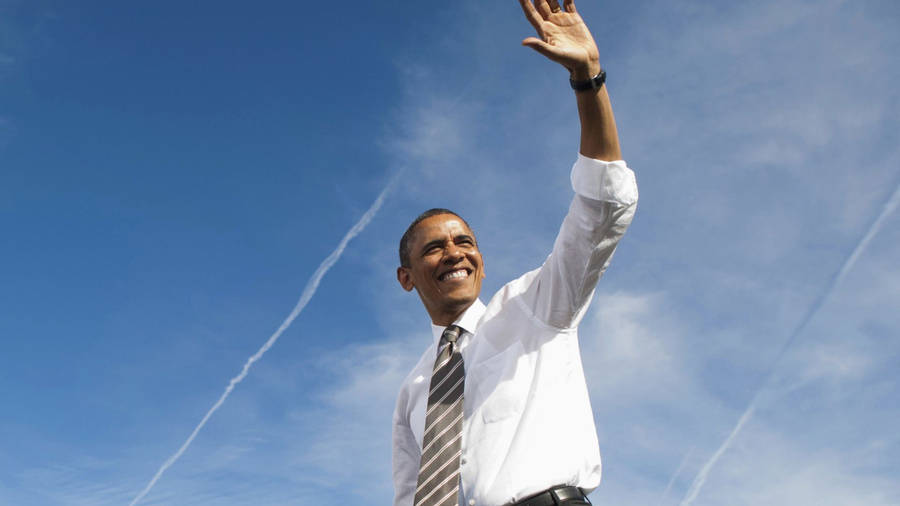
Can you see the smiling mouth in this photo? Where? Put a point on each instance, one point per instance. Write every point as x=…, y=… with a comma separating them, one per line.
x=455, y=274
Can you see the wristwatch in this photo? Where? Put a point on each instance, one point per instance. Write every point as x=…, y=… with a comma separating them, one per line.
x=594, y=83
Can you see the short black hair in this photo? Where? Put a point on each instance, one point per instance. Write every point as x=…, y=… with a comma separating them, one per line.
x=410, y=231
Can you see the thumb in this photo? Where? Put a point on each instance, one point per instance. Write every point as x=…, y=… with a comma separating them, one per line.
x=542, y=47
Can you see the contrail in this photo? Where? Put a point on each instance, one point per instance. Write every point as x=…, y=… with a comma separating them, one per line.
x=308, y=291
x=888, y=208
x=677, y=472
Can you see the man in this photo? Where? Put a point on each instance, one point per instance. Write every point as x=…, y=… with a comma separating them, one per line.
x=496, y=412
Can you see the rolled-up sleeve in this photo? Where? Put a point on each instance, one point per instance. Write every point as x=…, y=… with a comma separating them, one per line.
x=604, y=181
x=605, y=200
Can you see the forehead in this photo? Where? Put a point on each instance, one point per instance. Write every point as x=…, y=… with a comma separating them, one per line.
x=440, y=226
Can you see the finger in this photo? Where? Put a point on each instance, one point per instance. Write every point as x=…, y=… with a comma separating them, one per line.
x=543, y=8
x=569, y=5
x=554, y=6
x=543, y=48
x=532, y=15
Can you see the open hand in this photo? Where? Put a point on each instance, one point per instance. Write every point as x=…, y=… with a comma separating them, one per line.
x=564, y=38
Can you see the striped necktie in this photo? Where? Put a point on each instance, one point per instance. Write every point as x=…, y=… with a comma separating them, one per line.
x=438, y=483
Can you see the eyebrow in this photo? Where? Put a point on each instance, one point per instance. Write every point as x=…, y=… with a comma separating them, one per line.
x=429, y=244
x=440, y=242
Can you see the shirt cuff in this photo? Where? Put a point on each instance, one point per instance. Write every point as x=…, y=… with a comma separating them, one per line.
x=604, y=181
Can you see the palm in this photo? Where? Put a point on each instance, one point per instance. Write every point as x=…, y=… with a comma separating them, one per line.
x=564, y=38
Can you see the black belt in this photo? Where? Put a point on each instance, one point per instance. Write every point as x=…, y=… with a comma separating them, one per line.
x=556, y=496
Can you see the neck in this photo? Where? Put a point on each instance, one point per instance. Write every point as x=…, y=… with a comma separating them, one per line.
x=447, y=317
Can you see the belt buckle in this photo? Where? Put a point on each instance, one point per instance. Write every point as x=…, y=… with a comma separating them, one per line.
x=567, y=495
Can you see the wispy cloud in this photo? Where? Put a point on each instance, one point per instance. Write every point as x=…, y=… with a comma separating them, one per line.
x=82, y=481
x=354, y=424
x=889, y=206
x=771, y=466
x=681, y=466
x=308, y=291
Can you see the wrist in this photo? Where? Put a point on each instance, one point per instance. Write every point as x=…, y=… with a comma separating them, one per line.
x=585, y=70
x=592, y=84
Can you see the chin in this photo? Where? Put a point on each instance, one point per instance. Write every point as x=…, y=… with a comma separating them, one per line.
x=461, y=300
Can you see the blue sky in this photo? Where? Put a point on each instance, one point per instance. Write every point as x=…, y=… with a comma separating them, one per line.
x=172, y=175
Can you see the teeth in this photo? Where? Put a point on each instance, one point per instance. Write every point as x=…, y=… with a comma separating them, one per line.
x=455, y=275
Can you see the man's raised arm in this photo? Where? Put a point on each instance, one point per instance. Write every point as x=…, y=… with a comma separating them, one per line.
x=565, y=39
x=606, y=193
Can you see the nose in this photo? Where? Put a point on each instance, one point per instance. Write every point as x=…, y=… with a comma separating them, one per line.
x=454, y=254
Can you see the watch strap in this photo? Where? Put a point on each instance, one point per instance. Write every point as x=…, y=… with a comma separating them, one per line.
x=594, y=83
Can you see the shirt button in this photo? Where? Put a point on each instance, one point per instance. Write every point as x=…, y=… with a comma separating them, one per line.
x=471, y=502
x=462, y=461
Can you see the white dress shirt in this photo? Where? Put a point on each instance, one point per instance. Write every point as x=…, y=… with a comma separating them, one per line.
x=527, y=419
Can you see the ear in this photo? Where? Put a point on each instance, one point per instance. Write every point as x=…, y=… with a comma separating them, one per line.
x=405, y=278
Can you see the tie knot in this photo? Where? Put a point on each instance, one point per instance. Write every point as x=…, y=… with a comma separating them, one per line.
x=451, y=334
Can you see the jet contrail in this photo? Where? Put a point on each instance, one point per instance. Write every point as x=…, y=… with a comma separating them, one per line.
x=308, y=291
x=848, y=264
x=675, y=475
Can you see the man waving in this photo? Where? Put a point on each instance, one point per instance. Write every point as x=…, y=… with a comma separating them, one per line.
x=496, y=412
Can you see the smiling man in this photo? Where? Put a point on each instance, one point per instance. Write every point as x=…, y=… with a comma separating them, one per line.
x=448, y=269
x=497, y=412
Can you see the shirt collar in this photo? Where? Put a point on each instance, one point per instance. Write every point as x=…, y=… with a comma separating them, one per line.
x=468, y=321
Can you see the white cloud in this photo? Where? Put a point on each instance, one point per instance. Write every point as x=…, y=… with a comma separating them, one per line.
x=771, y=467
x=353, y=432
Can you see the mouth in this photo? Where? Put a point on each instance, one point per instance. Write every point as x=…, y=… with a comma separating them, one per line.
x=454, y=275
